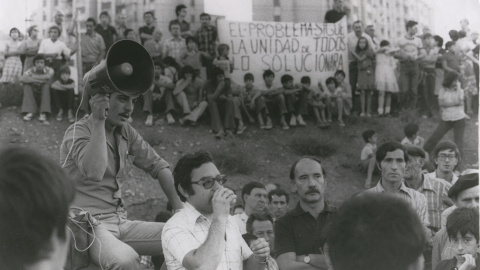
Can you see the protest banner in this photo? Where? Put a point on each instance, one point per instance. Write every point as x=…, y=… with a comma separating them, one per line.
x=298, y=49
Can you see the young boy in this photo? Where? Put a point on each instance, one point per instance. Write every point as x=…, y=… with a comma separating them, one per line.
x=463, y=232
x=156, y=92
x=37, y=80
x=64, y=95
x=296, y=100
x=315, y=101
x=174, y=46
x=273, y=94
x=335, y=92
x=411, y=136
x=251, y=96
x=344, y=91
x=367, y=156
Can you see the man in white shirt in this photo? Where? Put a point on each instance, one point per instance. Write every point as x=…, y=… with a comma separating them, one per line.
x=203, y=235
x=54, y=50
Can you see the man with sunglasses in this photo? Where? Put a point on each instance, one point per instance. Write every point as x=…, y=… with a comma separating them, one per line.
x=203, y=235
x=446, y=156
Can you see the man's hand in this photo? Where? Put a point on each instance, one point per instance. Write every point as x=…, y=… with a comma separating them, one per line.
x=469, y=263
x=221, y=201
x=100, y=105
x=260, y=249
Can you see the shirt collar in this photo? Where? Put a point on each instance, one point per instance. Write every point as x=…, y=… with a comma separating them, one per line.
x=298, y=210
x=191, y=214
x=379, y=187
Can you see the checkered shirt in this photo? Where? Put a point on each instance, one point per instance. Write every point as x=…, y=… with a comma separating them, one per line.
x=174, y=48
x=207, y=39
x=188, y=229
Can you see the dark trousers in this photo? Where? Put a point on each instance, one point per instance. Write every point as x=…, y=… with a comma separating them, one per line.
x=444, y=126
x=64, y=99
x=29, y=103
x=225, y=107
x=409, y=76
x=353, y=76
x=297, y=104
x=428, y=102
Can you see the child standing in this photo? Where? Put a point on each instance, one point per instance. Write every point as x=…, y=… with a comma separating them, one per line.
x=332, y=86
x=12, y=68
x=366, y=76
x=343, y=91
x=253, y=97
x=367, y=156
x=63, y=94
x=222, y=61
x=385, y=79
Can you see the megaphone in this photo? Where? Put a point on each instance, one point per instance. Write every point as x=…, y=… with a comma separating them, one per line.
x=127, y=68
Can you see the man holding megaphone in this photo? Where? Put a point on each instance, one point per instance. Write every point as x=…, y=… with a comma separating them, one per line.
x=98, y=152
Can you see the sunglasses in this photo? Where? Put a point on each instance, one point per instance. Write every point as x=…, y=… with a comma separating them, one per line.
x=209, y=182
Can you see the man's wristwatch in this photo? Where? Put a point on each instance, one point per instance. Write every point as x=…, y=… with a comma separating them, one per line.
x=306, y=259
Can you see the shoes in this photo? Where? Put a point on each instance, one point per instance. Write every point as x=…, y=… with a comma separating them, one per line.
x=219, y=134
x=70, y=117
x=170, y=119
x=241, y=129
x=149, y=121
x=362, y=114
x=229, y=133
x=43, y=117
x=269, y=124
x=300, y=120
x=368, y=115
x=293, y=121
x=60, y=115
x=285, y=126
x=28, y=117
x=341, y=123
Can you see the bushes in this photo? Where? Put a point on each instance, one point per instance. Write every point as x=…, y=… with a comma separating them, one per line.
x=233, y=161
x=321, y=146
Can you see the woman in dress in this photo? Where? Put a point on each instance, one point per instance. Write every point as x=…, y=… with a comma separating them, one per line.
x=13, y=65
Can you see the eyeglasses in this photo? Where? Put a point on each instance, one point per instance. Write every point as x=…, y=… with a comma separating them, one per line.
x=208, y=182
x=444, y=157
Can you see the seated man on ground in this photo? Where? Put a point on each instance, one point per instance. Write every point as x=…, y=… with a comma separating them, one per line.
x=256, y=102
x=35, y=194
x=63, y=91
x=334, y=92
x=37, y=81
x=462, y=229
x=376, y=232
x=344, y=92
x=367, y=156
x=296, y=99
x=98, y=153
x=315, y=102
x=203, y=235
x=273, y=95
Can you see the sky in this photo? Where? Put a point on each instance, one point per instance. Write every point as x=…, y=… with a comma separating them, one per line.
x=447, y=13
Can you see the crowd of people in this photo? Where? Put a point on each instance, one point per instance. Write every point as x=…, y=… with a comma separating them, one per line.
x=421, y=214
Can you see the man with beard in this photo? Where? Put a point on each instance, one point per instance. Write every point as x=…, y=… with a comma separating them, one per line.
x=278, y=201
x=254, y=195
x=98, y=153
x=203, y=235
x=299, y=237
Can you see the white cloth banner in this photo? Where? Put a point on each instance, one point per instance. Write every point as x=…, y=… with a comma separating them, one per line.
x=316, y=50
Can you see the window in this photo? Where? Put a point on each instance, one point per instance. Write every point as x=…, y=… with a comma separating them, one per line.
x=355, y=10
x=106, y=6
x=192, y=19
x=276, y=3
x=276, y=18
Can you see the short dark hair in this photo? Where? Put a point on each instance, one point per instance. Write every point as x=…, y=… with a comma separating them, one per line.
x=449, y=44
x=104, y=13
x=286, y=78
x=35, y=196
x=127, y=31
x=190, y=39
x=56, y=28
x=453, y=35
x=248, y=187
x=463, y=220
x=384, y=43
x=410, y=130
x=92, y=20
x=367, y=234
x=179, y=8
x=331, y=80
x=278, y=192
x=187, y=69
x=367, y=134
x=410, y=24
x=248, y=76
x=439, y=40
x=390, y=147
x=258, y=217
x=268, y=73
x=358, y=49
x=339, y=71
x=446, y=145
x=14, y=29
x=205, y=15
x=462, y=34
x=64, y=69
x=173, y=23
x=182, y=173
x=449, y=79
x=221, y=47
x=38, y=57
x=427, y=35
x=149, y=12
x=294, y=165
x=306, y=80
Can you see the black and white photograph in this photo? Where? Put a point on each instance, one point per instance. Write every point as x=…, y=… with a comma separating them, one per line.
x=239, y=134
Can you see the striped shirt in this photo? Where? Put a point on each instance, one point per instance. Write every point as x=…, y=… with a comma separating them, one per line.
x=188, y=229
x=434, y=175
x=174, y=48
x=436, y=192
x=415, y=198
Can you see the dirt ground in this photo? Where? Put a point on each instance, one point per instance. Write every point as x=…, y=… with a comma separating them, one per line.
x=258, y=155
